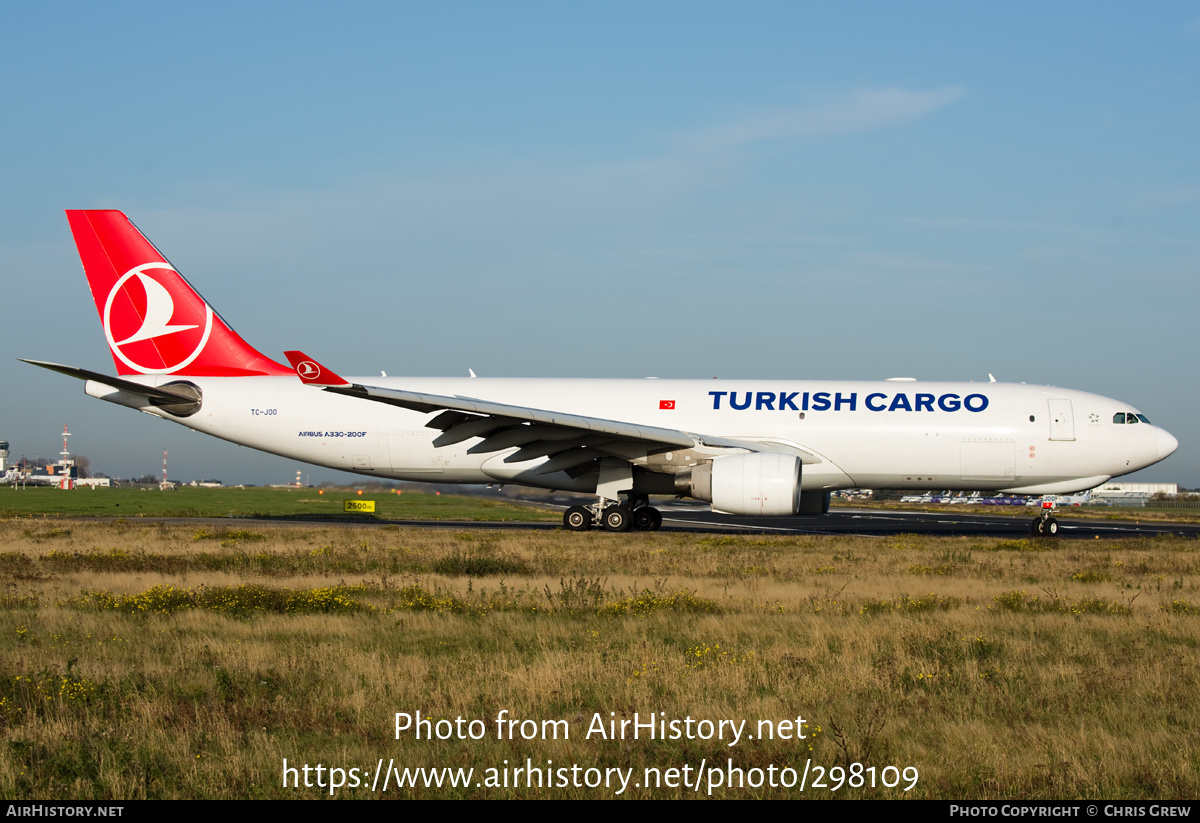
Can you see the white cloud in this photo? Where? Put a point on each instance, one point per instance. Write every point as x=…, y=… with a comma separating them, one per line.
x=859, y=110
x=640, y=222
x=1169, y=197
x=903, y=261
x=503, y=202
x=1005, y=225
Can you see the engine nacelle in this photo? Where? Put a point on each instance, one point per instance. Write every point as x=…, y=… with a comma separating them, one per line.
x=761, y=483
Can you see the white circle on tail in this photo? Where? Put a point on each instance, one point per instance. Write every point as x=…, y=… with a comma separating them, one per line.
x=160, y=309
x=308, y=370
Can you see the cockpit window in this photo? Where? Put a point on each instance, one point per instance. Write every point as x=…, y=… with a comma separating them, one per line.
x=1131, y=418
x=1119, y=417
x=1144, y=419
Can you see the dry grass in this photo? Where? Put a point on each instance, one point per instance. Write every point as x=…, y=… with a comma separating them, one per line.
x=167, y=661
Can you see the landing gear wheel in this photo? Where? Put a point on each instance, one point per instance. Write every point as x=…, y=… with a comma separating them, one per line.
x=647, y=519
x=617, y=519
x=577, y=519
x=1039, y=527
x=1050, y=528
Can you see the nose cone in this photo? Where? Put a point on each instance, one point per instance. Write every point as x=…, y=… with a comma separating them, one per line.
x=1167, y=444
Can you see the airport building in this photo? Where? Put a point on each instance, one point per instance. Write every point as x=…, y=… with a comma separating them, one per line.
x=1134, y=491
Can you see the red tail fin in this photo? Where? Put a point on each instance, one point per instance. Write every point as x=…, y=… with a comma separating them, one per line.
x=154, y=321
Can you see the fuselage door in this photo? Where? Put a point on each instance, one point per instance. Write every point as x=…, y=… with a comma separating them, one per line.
x=412, y=453
x=1062, y=420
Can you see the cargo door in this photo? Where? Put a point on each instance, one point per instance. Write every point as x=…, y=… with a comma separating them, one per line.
x=413, y=453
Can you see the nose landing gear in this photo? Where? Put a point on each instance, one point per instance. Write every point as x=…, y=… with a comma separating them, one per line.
x=1045, y=525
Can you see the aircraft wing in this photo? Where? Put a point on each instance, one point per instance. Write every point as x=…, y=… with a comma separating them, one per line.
x=569, y=440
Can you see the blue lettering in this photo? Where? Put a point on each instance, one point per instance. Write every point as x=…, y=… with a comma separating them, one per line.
x=824, y=401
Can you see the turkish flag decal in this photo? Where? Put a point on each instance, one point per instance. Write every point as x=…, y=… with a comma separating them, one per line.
x=666, y=404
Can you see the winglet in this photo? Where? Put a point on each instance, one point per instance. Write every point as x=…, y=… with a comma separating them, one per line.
x=311, y=372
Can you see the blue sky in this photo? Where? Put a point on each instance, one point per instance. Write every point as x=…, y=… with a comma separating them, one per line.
x=679, y=189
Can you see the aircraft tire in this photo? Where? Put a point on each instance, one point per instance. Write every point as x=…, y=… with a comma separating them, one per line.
x=577, y=519
x=1051, y=528
x=1038, y=527
x=617, y=519
x=647, y=519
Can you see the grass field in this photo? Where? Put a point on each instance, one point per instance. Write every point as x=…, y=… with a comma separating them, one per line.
x=188, y=501
x=176, y=661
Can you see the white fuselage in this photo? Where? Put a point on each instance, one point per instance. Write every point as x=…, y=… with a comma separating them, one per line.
x=890, y=434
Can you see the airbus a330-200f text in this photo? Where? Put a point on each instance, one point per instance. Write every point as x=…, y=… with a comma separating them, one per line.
x=749, y=447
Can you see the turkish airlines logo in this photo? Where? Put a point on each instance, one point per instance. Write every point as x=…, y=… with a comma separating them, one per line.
x=666, y=404
x=145, y=328
x=308, y=370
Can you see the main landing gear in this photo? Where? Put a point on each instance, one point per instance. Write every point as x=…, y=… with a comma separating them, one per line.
x=1045, y=525
x=635, y=514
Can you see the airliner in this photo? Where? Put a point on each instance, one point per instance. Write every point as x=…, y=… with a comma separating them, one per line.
x=747, y=447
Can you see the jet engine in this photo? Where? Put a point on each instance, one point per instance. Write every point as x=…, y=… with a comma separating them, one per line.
x=761, y=483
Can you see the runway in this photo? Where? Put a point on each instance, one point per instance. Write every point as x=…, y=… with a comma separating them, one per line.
x=889, y=522
x=841, y=521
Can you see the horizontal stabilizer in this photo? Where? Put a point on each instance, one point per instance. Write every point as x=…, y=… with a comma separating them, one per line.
x=156, y=395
